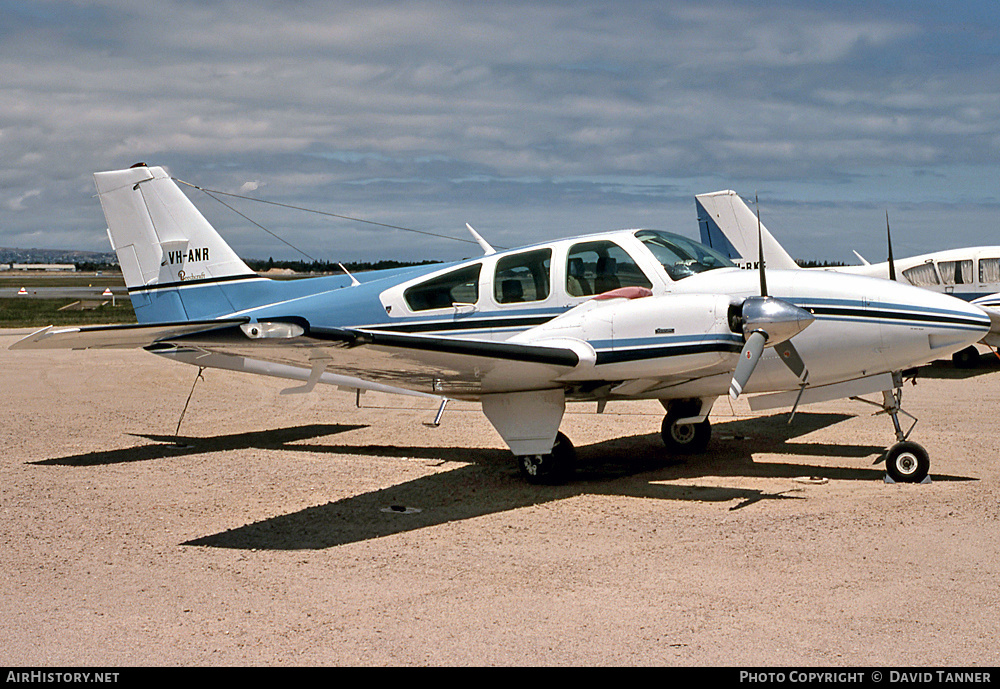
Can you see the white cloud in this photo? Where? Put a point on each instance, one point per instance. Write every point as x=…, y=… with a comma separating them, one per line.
x=18, y=204
x=434, y=108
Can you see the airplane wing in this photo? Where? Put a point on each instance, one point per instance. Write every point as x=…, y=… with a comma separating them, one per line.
x=436, y=365
x=990, y=304
x=401, y=362
x=384, y=361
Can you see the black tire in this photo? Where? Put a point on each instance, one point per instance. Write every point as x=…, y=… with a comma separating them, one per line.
x=966, y=358
x=549, y=469
x=685, y=439
x=907, y=462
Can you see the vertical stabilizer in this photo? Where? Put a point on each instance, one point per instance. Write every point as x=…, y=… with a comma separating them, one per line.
x=163, y=244
x=729, y=226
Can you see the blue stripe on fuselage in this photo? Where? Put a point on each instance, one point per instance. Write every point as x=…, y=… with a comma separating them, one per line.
x=315, y=299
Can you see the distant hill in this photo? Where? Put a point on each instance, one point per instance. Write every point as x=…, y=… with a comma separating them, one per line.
x=56, y=256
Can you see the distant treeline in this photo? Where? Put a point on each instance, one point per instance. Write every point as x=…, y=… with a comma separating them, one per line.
x=329, y=266
x=353, y=266
x=97, y=267
x=263, y=266
x=819, y=264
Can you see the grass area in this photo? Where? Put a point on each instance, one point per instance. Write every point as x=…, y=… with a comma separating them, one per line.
x=37, y=313
x=22, y=312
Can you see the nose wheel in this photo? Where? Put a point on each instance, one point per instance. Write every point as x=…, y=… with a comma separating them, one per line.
x=905, y=461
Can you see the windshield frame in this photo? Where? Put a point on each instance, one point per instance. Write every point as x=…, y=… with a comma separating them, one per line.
x=691, y=257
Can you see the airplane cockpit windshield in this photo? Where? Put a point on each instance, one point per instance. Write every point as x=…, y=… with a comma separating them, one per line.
x=681, y=257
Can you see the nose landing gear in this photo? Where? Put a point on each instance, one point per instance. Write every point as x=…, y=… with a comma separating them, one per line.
x=905, y=461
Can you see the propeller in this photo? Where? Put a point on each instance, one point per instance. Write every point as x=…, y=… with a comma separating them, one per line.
x=760, y=249
x=768, y=321
x=888, y=241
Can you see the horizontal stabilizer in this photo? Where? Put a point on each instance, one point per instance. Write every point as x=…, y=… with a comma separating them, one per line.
x=129, y=336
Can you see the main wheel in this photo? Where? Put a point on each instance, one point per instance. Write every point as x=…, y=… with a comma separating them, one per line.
x=552, y=468
x=907, y=462
x=966, y=358
x=685, y=438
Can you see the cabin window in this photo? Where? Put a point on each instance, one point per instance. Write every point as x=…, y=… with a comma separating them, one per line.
x=601, y=266
x=457, y=287
x=956, y=272
x=922, y=275
x=989, y=270
x=522, y=277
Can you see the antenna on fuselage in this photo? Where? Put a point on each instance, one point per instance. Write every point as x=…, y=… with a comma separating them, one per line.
x=354, y=280
x=487, y=249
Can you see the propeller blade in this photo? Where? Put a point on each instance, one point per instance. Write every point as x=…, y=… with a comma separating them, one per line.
x=749, y=357
x=786, y=350
x=760, y=250
x=888, y=240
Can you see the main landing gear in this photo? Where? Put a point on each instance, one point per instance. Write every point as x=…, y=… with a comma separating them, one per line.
x=681, y=430
x=966, y=358
x=685, y=438
x=552, y=468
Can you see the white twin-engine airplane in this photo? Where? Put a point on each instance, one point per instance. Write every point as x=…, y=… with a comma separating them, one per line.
x=728, y=225
x=632, y=314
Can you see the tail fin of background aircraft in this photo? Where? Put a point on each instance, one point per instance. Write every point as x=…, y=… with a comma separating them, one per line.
x=729, y=226
x=175, y=264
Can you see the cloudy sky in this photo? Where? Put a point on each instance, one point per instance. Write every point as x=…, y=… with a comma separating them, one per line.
x=529, y=120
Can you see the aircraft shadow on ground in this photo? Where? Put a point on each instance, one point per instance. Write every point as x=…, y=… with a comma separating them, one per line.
x=987, y=363
x=173, y=446
x=488, y=483
x=487, y=480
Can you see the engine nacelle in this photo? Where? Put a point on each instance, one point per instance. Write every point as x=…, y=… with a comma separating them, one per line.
x=646, y=337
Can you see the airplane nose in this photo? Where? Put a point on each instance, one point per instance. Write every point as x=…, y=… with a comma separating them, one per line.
x=919, y=326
